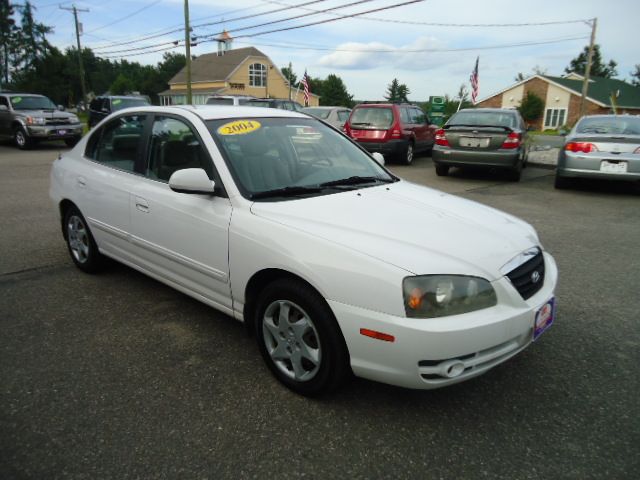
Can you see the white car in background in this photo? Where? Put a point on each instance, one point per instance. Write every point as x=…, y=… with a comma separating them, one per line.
x=332, y=262
x=335, y=116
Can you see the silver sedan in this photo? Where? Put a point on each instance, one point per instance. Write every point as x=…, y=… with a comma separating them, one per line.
x=601, y=146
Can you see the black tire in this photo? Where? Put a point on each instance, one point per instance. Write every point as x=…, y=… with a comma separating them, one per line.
x=561, y=182
x=406, y=156
x=71, y=142
x=307, y=325
x=82, y=247
x=442, y=170
x=22, y=139
x=515, y=173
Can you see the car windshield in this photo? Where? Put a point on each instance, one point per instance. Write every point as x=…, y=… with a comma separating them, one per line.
x=271, y=158
x=609, y=125
x=120, y=103
x=32, y=103
x=372, y=117
x=220, y=101
x=483, y=119
x=317, y=112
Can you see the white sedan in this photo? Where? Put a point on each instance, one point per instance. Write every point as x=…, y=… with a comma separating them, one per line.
x=332, y=262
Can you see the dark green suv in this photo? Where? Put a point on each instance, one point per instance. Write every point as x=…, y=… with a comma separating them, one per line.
x=29, y=118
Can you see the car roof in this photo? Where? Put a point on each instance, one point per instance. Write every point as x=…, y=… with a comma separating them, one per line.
x=17, y=94
x=215, y=112
x=494, y=110
x=325, y=107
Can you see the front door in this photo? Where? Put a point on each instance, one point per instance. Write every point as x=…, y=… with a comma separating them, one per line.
x=181, y=237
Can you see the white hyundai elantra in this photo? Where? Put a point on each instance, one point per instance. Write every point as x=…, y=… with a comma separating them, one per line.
x=332, y=262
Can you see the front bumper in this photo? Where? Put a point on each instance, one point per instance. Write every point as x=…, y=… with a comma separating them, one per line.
x=424, y=348
x=588, y=165
x=53, y=132
x=466, y=158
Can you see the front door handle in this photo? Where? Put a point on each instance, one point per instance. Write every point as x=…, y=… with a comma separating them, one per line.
x=142, y=205
x=81, y=181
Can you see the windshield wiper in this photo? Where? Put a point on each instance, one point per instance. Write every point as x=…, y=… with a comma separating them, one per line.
x=355, y=180
x=285, y=192
x=509, y=129
x=361, y=123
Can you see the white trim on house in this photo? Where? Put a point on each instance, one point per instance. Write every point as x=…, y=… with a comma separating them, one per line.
x=559, y=123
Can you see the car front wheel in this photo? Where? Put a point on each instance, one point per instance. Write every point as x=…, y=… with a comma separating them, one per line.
x=82, y=247
x=299, y=338
x=21, y=139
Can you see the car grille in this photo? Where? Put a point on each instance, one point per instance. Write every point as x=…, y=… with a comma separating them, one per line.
x=524, y=277
x=58, y=121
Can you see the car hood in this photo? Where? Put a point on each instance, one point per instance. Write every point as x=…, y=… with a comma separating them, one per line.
x=418, y=229
x=45, y=113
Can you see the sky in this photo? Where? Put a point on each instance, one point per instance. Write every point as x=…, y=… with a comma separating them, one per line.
x=368, y=53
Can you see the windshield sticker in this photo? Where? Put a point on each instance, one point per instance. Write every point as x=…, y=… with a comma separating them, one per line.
x=239, y=127
x=117, y=101
x=15, y=100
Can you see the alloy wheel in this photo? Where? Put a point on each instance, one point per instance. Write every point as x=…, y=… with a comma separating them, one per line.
x=291, y=340
x=78, y=238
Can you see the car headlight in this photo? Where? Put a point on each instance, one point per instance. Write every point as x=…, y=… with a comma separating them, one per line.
x=73, y=119
x=35, y=121
x=431, y=296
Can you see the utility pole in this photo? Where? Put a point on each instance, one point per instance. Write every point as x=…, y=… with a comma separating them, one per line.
x=187, y=44
x=587, y=71
x=290, y=75
x=75, y=17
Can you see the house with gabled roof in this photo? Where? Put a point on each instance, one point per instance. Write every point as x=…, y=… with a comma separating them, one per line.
x=242, y=71
x=562, y=95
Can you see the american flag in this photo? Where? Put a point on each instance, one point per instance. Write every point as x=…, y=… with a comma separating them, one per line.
x=305, y=84
x=475, y=83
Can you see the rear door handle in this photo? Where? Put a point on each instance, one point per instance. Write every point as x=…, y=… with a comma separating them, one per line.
x=142, y=205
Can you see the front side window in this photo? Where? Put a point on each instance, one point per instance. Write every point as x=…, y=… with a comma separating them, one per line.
x=266, y=154
x=174, y=146
x=257, y=75
x=117, y=143
x=417, y=116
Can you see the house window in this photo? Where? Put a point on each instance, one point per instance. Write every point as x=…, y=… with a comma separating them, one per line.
x=257, y=75
x=555, y=117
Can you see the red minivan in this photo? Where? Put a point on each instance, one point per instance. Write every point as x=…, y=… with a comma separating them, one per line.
x=396, y=131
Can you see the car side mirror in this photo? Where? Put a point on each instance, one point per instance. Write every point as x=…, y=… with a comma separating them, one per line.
x=104, y=110
x=378, y=158
x=562, y=132
x=4, y=108
x=191, y=180
x=61, y=108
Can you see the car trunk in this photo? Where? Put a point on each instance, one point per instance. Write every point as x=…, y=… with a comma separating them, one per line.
x=371, y=124
x=476, y=138
x=608, y=143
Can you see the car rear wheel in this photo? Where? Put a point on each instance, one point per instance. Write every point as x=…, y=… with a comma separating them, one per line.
x=516, y=172
x=407, y=156
x=442, y=170
x=561, y=182
x=21, y=139
x=299, y=338
x=82, y=247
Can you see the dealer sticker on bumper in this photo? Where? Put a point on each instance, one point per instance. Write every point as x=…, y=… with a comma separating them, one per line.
x=544, y=318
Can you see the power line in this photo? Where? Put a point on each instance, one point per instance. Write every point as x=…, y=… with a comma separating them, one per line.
x=126, y=17
x=436, y=24
x=245, y=17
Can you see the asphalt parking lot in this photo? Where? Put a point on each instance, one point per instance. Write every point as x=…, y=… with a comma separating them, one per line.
x=117, y=376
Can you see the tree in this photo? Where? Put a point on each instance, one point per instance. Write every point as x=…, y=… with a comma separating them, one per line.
x=397, y=92
x=8, y=31
x=32, y=41
x=635, y=76
x=531, y=107
x=598, y=67
x=334, y=92
x=121, y=85
x=291, y=77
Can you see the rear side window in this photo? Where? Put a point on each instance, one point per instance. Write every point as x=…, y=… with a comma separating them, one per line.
x=117, y=143
x=404, y=115
x=343, y=115
x=379, y=118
